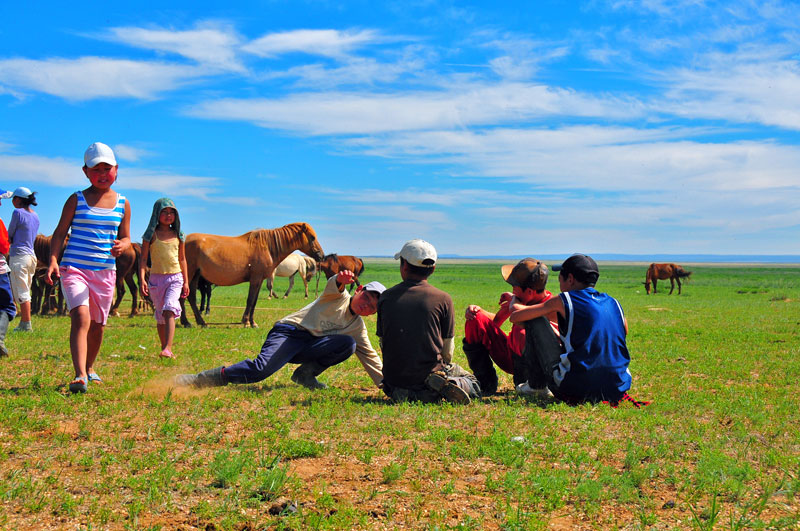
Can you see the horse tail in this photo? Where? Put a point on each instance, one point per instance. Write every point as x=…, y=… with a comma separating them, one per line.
x=683, y=274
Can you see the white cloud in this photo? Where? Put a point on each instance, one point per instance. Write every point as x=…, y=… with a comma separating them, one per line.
x=739, y=90
x=209, y=44
x=458, y=106
x=88, y=78
x=68, y=174
x=130, y=153
x=329, y=43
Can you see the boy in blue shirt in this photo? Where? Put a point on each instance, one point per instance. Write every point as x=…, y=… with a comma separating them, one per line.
x=592, y=364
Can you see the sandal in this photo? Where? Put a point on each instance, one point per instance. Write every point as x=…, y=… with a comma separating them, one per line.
x=78, y=385
x=167, y=353
x=94, y=377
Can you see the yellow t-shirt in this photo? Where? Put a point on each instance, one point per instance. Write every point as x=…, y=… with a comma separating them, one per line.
x=164, y=256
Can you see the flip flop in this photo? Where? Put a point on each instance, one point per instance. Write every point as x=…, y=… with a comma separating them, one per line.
x=78, y=385
x=94, y=377
x=166, y=353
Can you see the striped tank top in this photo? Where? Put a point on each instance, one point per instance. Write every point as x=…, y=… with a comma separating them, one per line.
x=92, y=235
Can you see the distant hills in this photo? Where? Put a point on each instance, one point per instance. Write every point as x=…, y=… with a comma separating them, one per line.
x=613, y=257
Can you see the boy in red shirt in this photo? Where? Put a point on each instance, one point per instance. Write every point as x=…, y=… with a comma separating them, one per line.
x=486, y=344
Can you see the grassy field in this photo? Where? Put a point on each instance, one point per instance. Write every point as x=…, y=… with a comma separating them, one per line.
x=718, y=448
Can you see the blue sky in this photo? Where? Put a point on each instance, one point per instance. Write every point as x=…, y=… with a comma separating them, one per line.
x=487, y=128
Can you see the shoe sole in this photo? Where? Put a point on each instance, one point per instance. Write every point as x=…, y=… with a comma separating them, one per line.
x=78, y=387
x=450, y=391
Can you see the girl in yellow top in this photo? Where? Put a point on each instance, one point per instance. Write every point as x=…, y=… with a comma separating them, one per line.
x=164, y=242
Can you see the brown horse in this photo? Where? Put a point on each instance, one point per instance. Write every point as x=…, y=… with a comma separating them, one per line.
x=333, y=263
x=44, y=297
x=251, y=257
x=127, y=273
x=673, y=272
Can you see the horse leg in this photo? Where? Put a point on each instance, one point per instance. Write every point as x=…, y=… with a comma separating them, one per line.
x=655, y=284
x=672, y=285
x=193, y=303
x=270, y=284
x=291, y=285
x=678, y=280
x=305, y=284
x=252, y=299
x=209, y=288
x=134, y=294
x=120, y=294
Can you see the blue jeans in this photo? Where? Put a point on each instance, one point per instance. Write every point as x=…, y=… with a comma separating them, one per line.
x=287, y=344
x=6, y=299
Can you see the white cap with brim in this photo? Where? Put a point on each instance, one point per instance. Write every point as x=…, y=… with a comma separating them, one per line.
x=375, y=286
x=22, y=192
x=5, y=194
x=418, y=253
x=98, y=153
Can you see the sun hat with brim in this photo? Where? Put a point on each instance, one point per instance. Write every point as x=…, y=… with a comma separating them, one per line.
x=528, y=273
x=98, y=153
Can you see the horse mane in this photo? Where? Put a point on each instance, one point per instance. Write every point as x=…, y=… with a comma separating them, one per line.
x=279, y=240
x=332, y=256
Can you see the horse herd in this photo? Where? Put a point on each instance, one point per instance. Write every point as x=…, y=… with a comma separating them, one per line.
x=214, y=260
x=253, y=257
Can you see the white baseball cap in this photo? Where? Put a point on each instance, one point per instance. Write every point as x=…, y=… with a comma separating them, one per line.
x=98, y=153
x=22, y=192
x=418, y=253
x=5, y=194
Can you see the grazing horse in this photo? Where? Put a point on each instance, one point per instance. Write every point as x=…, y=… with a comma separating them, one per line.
x=251, y=257
x=333, y=263
x=673, y=272
x=127, y=273
x=292, y=264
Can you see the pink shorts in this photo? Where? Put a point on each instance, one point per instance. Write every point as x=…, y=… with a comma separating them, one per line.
x=94, y=289
x=165, y=292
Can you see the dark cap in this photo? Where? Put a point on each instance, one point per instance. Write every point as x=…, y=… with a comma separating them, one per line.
x=581, y=266
x=528, y=273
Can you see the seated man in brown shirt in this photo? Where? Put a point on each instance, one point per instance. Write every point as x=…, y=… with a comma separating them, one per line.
x=415, y=327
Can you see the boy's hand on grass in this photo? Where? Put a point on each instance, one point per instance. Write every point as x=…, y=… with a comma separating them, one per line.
x=472, y=311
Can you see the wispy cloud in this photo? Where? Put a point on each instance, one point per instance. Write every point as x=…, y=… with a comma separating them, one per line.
x=67, y=174
x=131, y=153
x=77, y=79
x=456, y=107
x=209, y=44
x=327, y=42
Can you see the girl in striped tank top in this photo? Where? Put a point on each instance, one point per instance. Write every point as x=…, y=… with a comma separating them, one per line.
x=98, y=220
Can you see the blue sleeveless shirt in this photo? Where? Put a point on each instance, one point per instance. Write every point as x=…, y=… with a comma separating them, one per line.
x=92, y=235
x=595, y=364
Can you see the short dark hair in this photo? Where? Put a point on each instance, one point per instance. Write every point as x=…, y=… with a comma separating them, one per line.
x=417, y=271
x=28, y=201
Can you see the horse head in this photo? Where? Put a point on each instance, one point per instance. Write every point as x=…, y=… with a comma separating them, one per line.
x=309, y=244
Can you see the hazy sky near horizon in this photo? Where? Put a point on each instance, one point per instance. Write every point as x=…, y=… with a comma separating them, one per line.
x=486, y=128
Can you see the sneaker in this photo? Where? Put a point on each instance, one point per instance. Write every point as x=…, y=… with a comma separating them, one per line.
x=186, y=380
x=24, y=326
x=525, y=389
x=450, y=391
x=304, y=375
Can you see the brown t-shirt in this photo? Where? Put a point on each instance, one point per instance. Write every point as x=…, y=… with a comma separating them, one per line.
x=414, y=319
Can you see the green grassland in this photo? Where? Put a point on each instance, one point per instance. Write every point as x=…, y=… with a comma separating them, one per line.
x=718, y=448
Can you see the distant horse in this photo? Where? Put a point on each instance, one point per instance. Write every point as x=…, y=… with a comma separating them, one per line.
x=673, y=272
x=293, y=264
x=127, y=273
x=250, y=257
x=333, y=263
